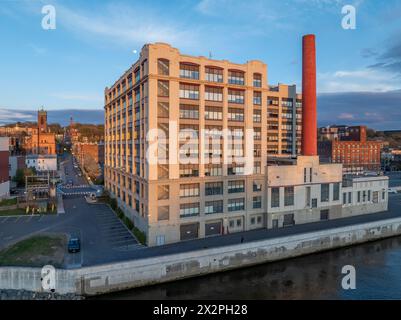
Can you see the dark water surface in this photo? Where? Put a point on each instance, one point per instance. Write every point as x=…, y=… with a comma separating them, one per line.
x=318, y=276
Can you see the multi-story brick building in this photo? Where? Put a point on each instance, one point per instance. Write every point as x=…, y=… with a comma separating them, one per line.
x=164, y=89
x=17, y=135
x=157, y=107
x=40, y=146
x=330, y=133
x=41, y=141
x=353, y=150
x=4, y=167
x=92, y=152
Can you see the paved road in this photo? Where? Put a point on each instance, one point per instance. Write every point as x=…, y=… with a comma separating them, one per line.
x=69, y=173
x=395, y=179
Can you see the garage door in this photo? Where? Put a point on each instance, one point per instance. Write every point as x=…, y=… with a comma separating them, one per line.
x=288, y=220
x=189, y=231
x=213, y=228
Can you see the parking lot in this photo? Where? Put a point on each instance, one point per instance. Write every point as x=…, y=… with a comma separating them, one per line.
x=27, y=219
x=104, y=238
x=114, y=231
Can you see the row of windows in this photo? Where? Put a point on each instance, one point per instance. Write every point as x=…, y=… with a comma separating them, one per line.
x=192, y=170
x=137, y=76
x=211, y=113
x=289, y=194
x=211, y=207
x=191, y=71
x=363, y=196
x=213, y=188
x=190, y=91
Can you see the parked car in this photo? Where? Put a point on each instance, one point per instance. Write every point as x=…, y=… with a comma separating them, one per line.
x=391, y=190
x=74, y=245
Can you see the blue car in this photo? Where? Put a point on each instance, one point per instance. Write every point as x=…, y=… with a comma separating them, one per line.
x=74, y=245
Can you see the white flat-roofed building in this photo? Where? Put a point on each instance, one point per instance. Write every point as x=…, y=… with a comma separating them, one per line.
x=303, y=192
x=364, y=194
x=42, y=162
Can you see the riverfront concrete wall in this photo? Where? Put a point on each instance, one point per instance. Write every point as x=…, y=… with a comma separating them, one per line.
x=135, y=273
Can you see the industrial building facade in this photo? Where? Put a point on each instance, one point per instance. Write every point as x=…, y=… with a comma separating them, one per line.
x=164, y=88
x=349, y=146
x=178, y=97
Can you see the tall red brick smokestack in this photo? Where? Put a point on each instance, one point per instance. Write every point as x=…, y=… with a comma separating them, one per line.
x=309, y=118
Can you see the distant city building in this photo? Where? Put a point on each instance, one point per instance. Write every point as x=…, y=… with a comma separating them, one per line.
x=4, y=167
x=90, y=156
x=351, y=148
x=17, y=135
x=41, y=162
x=73, y=132
x=41, y=141
x=391, y=159
x=332, y=133
x=16, y=163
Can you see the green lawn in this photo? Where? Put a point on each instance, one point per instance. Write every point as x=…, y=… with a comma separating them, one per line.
x=8, y=202
x=14, y=212
x=36, y=251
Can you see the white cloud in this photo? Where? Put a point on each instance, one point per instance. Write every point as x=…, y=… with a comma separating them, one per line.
x=214, y=7
x=329, y=3
x=77, y=96
x=345, y=116
x=125, y=25
x=251, y=10
x=7, y=116
x=356, y=81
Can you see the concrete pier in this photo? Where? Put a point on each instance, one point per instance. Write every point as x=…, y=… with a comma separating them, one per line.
x=107, y=278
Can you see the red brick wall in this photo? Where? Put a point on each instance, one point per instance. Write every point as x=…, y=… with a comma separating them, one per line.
x=92, y=150
x=4, y=166
x=354, y=153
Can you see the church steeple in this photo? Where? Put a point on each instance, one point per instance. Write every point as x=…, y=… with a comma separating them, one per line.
x=42, y=120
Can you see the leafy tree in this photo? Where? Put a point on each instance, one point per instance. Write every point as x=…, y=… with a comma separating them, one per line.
x=20, y=175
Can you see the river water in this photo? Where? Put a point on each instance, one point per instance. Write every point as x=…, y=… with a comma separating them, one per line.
x=317, y=276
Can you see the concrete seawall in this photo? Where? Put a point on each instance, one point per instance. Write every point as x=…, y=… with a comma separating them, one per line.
x=135, y=273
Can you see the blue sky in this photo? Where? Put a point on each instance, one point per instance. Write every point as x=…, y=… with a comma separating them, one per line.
x=94, y=41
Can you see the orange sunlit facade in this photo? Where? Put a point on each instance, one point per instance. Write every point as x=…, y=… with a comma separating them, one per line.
x=353, y=150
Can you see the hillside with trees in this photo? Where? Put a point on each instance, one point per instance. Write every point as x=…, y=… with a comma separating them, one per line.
x=94, y=132
x=392, y=137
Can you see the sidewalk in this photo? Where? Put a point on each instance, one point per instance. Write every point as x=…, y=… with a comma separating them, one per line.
x=60, y=205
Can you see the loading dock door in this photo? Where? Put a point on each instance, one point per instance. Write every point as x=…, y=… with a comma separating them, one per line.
x=213, y=228
x=189, y=231
x=288, y=220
